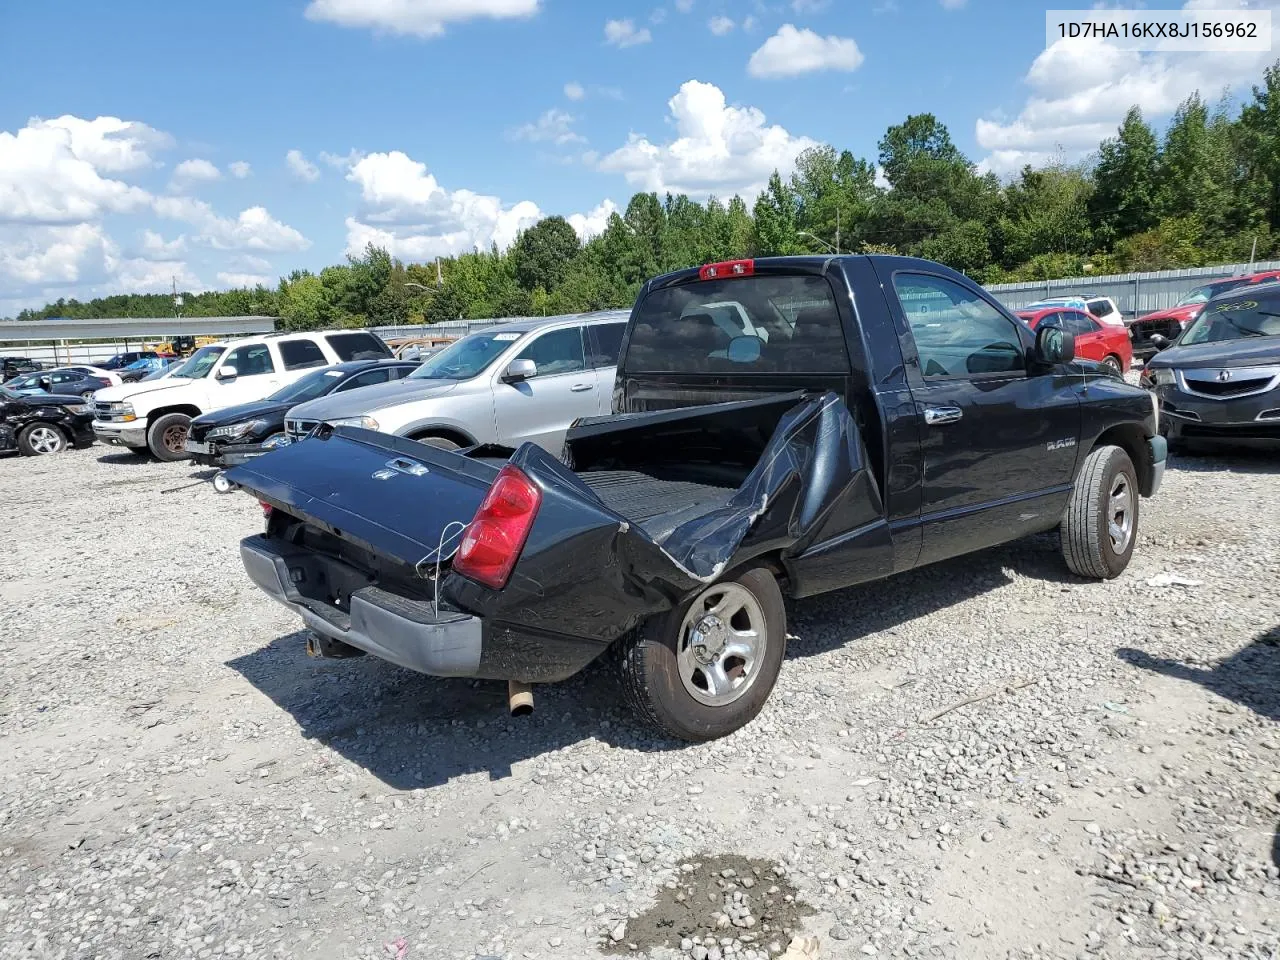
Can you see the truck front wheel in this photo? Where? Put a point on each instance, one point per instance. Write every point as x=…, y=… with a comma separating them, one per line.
x=167, y=437
x=704, y=669
x=1100, y=526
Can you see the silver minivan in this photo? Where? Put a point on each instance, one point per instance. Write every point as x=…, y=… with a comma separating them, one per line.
x=522, y=381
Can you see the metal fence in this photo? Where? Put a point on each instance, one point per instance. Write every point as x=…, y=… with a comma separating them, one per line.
x=1134, y=293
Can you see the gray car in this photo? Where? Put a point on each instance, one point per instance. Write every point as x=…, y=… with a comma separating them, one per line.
x=523, y=381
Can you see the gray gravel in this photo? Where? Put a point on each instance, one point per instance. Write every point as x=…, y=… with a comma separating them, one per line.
x=179, y=780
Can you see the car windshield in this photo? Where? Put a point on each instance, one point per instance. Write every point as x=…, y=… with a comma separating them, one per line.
x=8, y=394
x=1235, y=319
x=313, y=385
x=1202, y=294
x=467, y=358
x=200, y=363
x=139, y=364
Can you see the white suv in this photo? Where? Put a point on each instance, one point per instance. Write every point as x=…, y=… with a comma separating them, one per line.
x=153, y=415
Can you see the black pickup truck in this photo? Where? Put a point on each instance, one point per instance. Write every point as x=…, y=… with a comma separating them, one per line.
x=788, y=425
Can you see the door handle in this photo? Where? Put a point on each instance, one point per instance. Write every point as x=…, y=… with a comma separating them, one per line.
x=579, y=387
x=938, y=415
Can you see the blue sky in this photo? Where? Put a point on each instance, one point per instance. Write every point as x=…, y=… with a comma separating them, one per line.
x=224, y=142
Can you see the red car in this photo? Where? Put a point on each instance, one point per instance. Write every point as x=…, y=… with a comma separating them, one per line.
x=1094, y=341
x=1169, y=323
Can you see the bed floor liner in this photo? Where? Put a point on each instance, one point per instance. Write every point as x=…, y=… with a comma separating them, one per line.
x=657, y=506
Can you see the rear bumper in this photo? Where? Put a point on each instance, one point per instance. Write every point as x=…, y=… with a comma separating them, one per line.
x=405, y=632
x=225, y=456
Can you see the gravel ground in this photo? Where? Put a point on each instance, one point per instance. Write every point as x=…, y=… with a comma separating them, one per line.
x=179, y=780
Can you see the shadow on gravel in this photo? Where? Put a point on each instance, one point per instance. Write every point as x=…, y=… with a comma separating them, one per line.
x=846, y=616
x=411, y=730
x=127, y=459
x=1250, y=677
x=1217, y=459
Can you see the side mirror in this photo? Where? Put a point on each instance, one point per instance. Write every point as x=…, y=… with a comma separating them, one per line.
x=518, y=370
x=1054, y=345
x=1159, y=341
x=46, y=385
x=744, y=349
x=228, y=373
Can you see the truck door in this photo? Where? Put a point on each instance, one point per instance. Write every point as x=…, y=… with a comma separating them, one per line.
x=541, y=408
x=255, y=377
x=998, y=440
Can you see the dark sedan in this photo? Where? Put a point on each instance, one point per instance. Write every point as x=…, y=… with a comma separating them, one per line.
x=63, y=382
x=1219, y=382
x=229, y=437
x=43, y=424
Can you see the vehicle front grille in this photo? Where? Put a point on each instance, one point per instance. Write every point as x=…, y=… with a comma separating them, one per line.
x=297, y=429
x=109, y=412
x=1141, y=331
x=1229, y=384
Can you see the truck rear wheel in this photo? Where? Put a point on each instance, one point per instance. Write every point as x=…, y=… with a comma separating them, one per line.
x=1100, y=526
x=168, y=436
x=705, y=669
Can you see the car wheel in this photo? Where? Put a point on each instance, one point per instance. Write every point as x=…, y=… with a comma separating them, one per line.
x=1113, y=362
x=87, y=396
x=221, y=483
x=41, y=439
x=168, y=436
x=1100, y=526
x=705, y=669
x=441, y=443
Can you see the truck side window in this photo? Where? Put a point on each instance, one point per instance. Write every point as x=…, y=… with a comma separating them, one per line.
x=559, y=351
x=957, y=333
x=605, y=343
x=250, y=361
x=300, y=354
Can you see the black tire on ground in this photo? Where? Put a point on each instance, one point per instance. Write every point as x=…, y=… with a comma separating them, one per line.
x=167, y=435
x=442, y=443
x=648, y=663
x=1100, y=526
x=136, y=451
x=1112, y=361
x=41, y=439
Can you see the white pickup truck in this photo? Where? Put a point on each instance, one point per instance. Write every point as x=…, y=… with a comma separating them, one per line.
x=153, y=415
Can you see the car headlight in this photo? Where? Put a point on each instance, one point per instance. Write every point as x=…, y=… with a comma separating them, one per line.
x=279, y=440
x=367, y=422
x=80, y=408
x=1162, y=376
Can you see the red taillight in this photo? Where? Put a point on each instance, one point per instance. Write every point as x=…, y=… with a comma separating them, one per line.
x=730, y=268
x=266, y=508
x=492, y=541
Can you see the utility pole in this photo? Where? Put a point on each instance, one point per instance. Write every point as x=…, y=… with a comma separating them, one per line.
x=439, y=276
x=837, y=231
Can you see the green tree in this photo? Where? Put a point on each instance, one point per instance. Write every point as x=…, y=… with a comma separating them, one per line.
x=542, y=254
x=775, y=220
x=1126, y=178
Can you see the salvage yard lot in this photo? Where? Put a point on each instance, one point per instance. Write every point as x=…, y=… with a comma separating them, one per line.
x=180, y=780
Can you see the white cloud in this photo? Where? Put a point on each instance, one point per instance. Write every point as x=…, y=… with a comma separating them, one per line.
x=719, y=148
x=195, y=169
x=592, y=223
x=239, y=169
x=881, y=180
x=301, y=167
x=341, y=161
x=420, y=18
x=658, y=16
x=54, y=255
x=574, y=91
x=809, y=6
x=156, y=247
x=253, y=229
x=623, y=33
x=720, y=25
x=792, y=51
x=1080, y=92
x=151, y=276
x=232, y=279
x=555, y=126
x=406, y=210
x=684, y=6
x=952, y=4
x=749, y=24
x=51, y=171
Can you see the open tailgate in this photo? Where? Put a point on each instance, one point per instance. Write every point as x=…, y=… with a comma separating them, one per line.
x=396, y=497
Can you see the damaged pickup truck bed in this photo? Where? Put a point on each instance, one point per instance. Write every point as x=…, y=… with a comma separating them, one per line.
x=790, y=425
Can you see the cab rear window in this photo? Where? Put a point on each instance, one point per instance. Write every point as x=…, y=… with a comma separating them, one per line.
x=758, y=324
x=357, y=346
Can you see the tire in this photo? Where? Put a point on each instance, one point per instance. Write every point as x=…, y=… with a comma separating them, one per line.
x=663, y=677
x=1112, y=361
x=40, y=440
x=166, y=437
x=222, y=484
x=440, y=443
x=87, y=396
x=1100, y=526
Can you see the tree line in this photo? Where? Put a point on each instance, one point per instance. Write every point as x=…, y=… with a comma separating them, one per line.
x=1204, y=192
